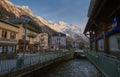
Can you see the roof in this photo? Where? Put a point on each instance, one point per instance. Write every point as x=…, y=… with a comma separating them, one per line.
x=101, y=11
x=9, y=23
x=92, y=3
x=58, y=34
x=18, y=21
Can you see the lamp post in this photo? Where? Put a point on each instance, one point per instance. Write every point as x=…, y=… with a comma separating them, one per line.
x=20, y=60
x=59, y=41
x=26, y=20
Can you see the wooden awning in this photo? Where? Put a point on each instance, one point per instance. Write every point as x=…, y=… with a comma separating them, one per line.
x=101, y=11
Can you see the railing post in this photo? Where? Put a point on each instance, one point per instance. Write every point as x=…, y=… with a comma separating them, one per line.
x=19, y=62
x=118, y=69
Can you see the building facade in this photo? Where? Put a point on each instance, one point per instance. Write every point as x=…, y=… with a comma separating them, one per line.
x=70, y=42
x=8, y=37
x=29, y=33
x=32, y=38
x=78, y=43
x=43, y=39
x=58, y=41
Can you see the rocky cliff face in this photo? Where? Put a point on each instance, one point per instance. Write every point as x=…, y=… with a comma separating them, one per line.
x=9, y=10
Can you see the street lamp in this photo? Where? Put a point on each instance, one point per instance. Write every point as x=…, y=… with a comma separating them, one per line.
x=59, y=41
x=25, y=22
x=20, y=61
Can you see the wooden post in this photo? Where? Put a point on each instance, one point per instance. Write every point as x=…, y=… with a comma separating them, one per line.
x=96, y=42
x=106, y=40
x=91, y=47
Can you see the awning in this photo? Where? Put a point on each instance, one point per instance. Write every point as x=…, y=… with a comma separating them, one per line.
x=113, y=31
x=107, y=34
x=99, y=37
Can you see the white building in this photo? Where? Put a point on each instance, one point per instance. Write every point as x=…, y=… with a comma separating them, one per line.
x=58, y=41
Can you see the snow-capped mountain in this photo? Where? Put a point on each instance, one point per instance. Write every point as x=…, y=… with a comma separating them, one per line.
x=9, y=10
x=61, y=26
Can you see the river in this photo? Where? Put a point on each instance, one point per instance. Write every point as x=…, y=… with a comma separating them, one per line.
x=71, y=68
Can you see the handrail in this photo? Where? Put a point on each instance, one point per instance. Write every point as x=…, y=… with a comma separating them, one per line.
x=107, y=64
x=8, y=65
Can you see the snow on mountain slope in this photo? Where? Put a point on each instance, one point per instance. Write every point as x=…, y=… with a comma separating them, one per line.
x=61, y=26
x=9, y=10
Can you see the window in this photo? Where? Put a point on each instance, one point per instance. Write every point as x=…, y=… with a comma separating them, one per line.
x=115, y=43
x=12, y=35
x=1, y=49
x=10, y=49
x=42, y=35
x=4, y=34
x=118, y=43
x=23, y=36
x=101, y=45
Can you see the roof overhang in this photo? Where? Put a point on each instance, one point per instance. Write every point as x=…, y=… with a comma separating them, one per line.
x=101, y=11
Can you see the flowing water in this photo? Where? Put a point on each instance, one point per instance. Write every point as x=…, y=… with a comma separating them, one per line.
x=71, y=68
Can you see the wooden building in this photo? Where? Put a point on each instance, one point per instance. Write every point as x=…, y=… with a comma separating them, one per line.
x=103, y=27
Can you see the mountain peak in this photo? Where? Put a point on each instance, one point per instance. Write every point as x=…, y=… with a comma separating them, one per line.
x=9, y=10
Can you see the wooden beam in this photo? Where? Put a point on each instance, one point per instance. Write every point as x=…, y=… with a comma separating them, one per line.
x=91, y=47
x=96, y=42
x=106, y=40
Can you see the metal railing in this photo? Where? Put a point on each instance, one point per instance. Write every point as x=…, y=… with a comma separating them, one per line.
x=8, y=65
x=107, y=64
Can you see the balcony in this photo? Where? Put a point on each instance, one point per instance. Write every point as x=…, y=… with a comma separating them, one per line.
x=32, y=35
x=36, y=43
x=8, y=40
x=107, y=64
x=21, y=41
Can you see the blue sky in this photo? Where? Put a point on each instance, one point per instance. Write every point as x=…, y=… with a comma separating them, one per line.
x=69, y=11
